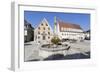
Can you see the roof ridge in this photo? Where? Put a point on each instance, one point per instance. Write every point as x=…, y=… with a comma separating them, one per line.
x=69, y=25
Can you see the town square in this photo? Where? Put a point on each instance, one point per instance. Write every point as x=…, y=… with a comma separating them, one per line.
x=66, y=37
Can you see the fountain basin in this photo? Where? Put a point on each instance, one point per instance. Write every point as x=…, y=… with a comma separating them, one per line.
x=45, y=52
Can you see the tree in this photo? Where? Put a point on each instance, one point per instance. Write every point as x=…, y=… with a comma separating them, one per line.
x=55, y=40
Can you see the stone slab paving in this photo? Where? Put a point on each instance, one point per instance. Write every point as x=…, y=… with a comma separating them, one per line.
x=32, y=49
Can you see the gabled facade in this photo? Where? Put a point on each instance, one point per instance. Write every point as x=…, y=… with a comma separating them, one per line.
x=43, y=32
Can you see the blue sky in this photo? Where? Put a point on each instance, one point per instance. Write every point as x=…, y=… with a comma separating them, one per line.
x=35, y=17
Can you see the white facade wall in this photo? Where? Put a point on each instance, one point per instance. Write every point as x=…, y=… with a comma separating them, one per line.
x=70, y=33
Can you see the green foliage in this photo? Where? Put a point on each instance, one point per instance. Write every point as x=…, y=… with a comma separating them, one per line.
x=55, y=40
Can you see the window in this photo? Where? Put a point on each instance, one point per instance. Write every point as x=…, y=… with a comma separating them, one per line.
x=43, y=37
x=44, y=28
x=49, y=33
x=38, y=32
x=38, y=41
x=42, y=24
x=48, y=37
x=38, y=37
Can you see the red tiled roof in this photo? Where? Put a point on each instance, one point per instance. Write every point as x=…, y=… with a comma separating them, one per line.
x=68, y=25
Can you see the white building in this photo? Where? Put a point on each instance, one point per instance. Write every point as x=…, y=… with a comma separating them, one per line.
x=69, y=31
x=43, y=32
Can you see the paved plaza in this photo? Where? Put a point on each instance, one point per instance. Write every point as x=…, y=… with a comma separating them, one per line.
x=32, y=50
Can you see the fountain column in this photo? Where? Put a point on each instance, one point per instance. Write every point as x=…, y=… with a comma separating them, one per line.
x=55, y=26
